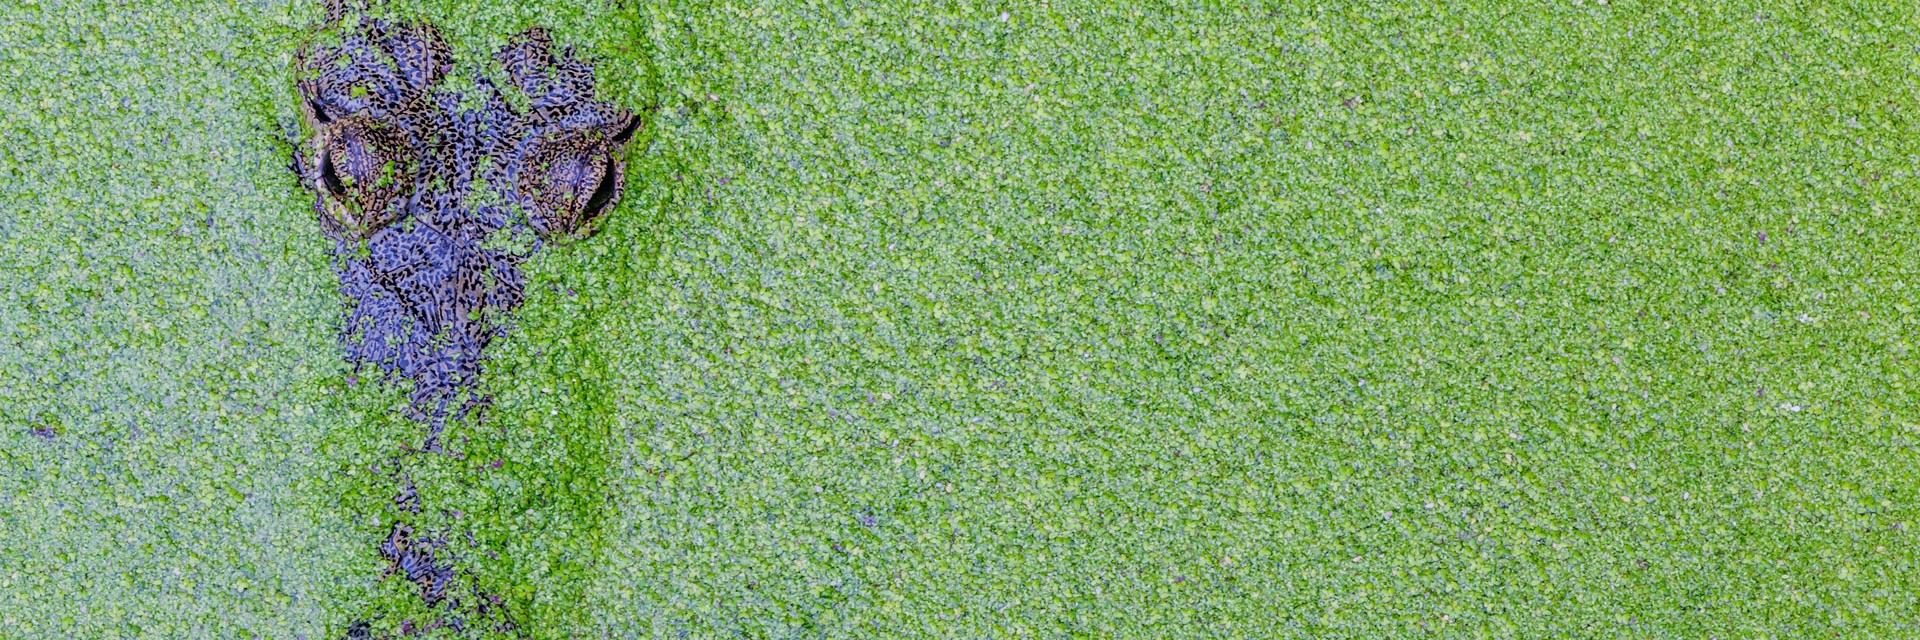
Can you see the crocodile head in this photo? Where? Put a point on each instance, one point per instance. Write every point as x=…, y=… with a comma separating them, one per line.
x=433, y=197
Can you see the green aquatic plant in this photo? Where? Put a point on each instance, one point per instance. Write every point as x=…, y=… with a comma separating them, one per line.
x=1296, y=319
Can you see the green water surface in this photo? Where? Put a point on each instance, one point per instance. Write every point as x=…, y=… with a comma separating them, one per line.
x=1020, y=319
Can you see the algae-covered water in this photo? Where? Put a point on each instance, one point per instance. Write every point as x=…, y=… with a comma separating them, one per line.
x=1028, y=319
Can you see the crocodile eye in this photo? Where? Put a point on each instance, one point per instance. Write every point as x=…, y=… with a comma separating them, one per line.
x=365, y=170
x=570, y=179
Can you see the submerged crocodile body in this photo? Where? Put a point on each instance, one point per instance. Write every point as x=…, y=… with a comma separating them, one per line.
x=432, y=205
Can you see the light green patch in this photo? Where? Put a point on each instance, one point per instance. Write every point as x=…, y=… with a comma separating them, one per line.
x=165, y=303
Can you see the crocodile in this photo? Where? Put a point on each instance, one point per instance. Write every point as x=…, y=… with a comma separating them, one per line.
x=432, y=199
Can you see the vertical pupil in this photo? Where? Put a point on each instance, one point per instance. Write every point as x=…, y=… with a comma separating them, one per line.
x=603, y=193
x=331, y=177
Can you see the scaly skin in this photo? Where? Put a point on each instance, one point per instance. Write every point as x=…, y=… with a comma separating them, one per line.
x=418, y=195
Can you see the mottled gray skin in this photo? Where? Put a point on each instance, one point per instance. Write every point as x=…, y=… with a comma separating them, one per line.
x=432, y=207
